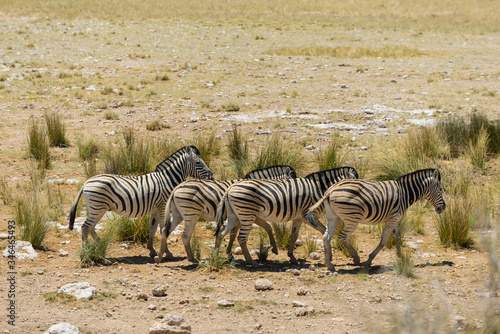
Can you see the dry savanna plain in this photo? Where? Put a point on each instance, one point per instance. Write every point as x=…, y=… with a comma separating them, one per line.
x=387, y=87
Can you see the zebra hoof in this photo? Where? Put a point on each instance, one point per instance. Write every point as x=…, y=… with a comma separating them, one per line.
x=331, y=267
x=157, y=259
x=275, y=250
x=153, y=254
x=169, y=256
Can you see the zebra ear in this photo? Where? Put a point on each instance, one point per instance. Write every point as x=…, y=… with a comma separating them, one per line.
x=436, y=175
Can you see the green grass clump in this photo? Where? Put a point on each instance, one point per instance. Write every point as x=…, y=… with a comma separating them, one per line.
x=88, y=148
x=282, y=234
x=215, y=261
x=157, y=124
x=331, y=156
x=209, y=147
x=420, y=149
x=132, y=156
x=110, y=115
x=196, y=246
x=56, y=130
x=278, y=152
x=6, y=193
x=404, y=264
x=456, y=224
x=230, y=107
x=93, y=252
x=131, y=229
x=238, y=152
x=38, y=144
x=478, y=150
x=310, y=246
x=59, y=297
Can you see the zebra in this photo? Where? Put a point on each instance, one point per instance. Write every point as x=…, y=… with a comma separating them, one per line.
x=193, y=199
x=137, y=196
x=368, y=202
x=275, y=201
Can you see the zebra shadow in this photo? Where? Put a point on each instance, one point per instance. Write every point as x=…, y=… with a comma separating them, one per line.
x=141, y=260
x=380, y=269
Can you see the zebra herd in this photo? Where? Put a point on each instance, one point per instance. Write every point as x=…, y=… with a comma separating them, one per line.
x=271, y=194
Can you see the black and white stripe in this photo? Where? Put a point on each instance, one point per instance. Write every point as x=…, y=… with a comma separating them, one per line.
x=193, y=199
x=366, y=202
x=276, y=201
x=137, y=196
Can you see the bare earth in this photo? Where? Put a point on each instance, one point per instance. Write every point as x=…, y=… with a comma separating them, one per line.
x=366, y=98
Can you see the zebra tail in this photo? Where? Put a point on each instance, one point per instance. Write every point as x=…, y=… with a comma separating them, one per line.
x=168, y=220
x=310, y=213
x=72, y=211
x=221, y=213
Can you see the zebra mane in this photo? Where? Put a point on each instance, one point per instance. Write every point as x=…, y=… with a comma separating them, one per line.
x=278, y=169
x=174, y=156
x=335, y=171
x=428, y=171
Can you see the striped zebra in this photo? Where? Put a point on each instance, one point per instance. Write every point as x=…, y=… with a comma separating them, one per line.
x=193, y=199
x=137, y=196
x=366, y=202
x=276, y=201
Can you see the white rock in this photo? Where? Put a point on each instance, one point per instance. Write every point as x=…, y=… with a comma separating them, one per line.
x=152, y=307
x=401, y=130
x=314, y=256
x=160, y=290
x=225, y=303
x=238, y=251
x=170, y=324
x=81, y=290
x=263, y=284
x=62, y=328
x=22, y=250
x=4, y=236
x=63, y=253
x=298, y=304
x=302, y=291
x=413, y=245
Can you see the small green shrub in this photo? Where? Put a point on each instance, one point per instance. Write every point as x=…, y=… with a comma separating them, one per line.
x=209, y=147
x=162, y=77
x=456, y=180
x=456, y=223
x=6, y=193
x=56, y=130
x=31, y=215
x=231, y=107
x=131, y=229
x=282, y=234
x=278, y=152
x=310, y=246
x=196, y=246
x=157, y=124
x=404, y=264
x=110, y=115
x=93, y=252
x=331, y=156
x=88, y=148
x=238, y=151
x=38, y=144
x=478, y=150
x=215, y=261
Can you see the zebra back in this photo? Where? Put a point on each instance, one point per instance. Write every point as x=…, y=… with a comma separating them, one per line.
x=273, y=172
x=324, y=179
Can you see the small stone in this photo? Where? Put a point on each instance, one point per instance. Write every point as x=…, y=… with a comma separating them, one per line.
x=81, y=290
x=63, y=253
x=62, y=328
x=40, y=272
x=170, y=324
x=142, y=296
x=238, y=251
x=314, y=256
x=298, y=304
x=299, y=243
x=225, y=303
x=302, y=291
x=344, y=86
x=160, y=291
x=257, y=327
x=364, y=148
x=312, y=267
x=295, y=272
x=152, y=307
x=263, y=284
x=301, y=311
x=22, y=250
x=401, y=130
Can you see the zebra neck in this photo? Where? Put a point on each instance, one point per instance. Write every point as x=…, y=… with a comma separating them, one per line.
x=411, y=189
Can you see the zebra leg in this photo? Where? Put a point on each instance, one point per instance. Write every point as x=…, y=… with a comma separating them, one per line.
x=333, y=223
x=344, y=235
x=388, y=229
x=397, y=239
x=269, y=231
x=89, y=225
x=152, y=232
x=232, y=237
x=242, y=240
x=293, y=239
x=189, y=225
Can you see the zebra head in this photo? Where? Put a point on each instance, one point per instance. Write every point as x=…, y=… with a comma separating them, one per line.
x=196, y=167
x=434, y=191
